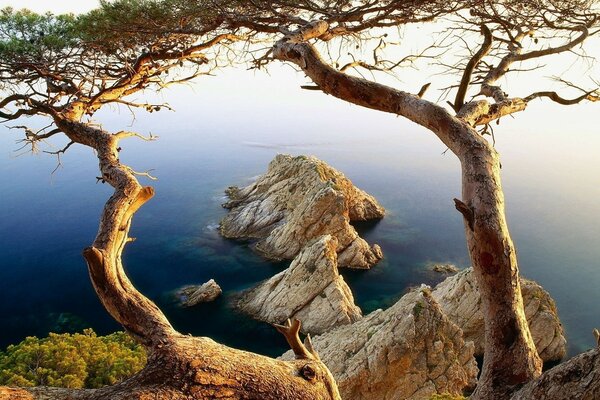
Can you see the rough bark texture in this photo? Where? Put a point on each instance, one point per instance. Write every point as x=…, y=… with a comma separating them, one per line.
x=510, y=355
x=409, y=351
x=310, y=290
x=297, y=200
x=460, y=299
x=179, y=367
x=199, y=368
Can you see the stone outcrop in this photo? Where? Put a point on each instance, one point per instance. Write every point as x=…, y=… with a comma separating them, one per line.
x=459, y=298
x=445, y=268
x=192, y=295
x=409, y=351
x=577, y=378
x=310, y=290
x=297, y=200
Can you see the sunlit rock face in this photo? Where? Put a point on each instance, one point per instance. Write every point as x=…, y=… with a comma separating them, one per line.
x=297, y=200
x=459, y=298
x=310, y=290
x=409, y=351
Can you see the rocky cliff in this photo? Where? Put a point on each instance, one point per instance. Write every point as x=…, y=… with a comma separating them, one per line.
x=459, y=298
x=409, y=351
x=297, y=200
x=310, y=290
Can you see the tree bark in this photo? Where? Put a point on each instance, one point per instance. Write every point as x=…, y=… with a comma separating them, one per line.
x=178, y=367
x=199, y=368
x=510, y=355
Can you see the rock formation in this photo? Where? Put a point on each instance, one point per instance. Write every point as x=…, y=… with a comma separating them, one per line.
x=192, y=295
x=409, y=351
x=459, y=298
x=445, y=268
x=297, y=200
x=577, y=378
x=310, y=290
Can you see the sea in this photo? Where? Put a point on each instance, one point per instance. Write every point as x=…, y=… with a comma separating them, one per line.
x=224, y=132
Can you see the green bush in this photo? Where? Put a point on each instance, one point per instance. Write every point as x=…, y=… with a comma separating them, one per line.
x=446, y=396
x=80, y=360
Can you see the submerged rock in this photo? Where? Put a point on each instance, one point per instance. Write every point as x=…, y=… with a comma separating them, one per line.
x=445, y=268
x=409, y=351
x=192, y=295
x=297, y=200
x=459, y=298
x=310, y=290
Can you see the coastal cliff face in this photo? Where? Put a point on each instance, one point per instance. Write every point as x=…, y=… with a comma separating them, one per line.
x=409, y=351
x=460, y=300
x=297, y=200
x=310, y=290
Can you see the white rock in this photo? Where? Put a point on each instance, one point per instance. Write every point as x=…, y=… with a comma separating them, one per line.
x=310, y=290
x=409, y=351
x=192, y=295
x=459, y=298
x=297, y=200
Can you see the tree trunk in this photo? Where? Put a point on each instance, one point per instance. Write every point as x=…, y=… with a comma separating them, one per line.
x=510, y=356
x=178, y=367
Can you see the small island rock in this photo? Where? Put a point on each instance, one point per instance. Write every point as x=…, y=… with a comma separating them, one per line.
x=310, y=290
x=445, y=268
x=192, y=295
x=297, y=200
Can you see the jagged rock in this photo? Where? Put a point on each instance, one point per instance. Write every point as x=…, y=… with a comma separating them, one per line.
x=310, y=290
x=409, y=351
x=192, y=295
x=299, y=199
x=460, y=299
x=445, y=268
x=577, y=378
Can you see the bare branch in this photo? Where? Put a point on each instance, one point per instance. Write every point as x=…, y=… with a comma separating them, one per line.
x=486, y=46
x=303, y=351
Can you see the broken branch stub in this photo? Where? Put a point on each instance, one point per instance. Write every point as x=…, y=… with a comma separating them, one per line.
x=291, y=330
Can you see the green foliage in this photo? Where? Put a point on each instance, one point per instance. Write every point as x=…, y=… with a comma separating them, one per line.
x=71, y=360
x=446, y=396
x=26, y=36
x=122, y=24
x=418, y=307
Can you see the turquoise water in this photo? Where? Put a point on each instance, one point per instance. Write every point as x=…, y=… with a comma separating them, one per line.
x=551, y=179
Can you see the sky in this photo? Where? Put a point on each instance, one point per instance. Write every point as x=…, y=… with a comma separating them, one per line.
x=56, y=6
x=281, y=83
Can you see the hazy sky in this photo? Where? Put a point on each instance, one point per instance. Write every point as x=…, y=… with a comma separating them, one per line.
x=56, y=6
x=287, y=81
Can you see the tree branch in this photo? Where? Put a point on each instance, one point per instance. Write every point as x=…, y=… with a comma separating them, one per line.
x=486, y=46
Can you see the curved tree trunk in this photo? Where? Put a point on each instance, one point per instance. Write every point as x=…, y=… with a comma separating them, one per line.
x=510, y=355
x=178, y=367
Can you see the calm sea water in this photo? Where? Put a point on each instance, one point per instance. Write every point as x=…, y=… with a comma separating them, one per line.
x=222, y=135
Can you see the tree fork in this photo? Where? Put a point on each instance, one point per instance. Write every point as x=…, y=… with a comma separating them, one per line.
x=510, y=355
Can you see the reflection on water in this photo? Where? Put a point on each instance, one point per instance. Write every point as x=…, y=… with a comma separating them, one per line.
x=552, y=210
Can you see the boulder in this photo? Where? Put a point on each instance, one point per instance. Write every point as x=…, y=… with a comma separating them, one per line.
x=577, y=378
x=310, y=290
x=445, y=268
x=192, y=295
x=297, y=200
x=409, y=351
x=459, y=298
